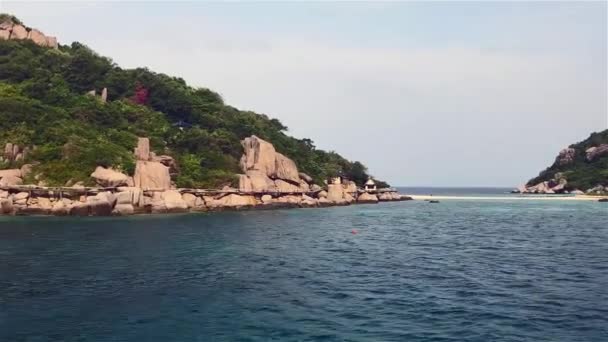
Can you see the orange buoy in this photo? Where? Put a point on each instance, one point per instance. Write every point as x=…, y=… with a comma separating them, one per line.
x=354, y=231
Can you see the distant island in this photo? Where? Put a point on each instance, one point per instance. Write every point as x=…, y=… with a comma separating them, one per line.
x=580, y=168
x=83, y=136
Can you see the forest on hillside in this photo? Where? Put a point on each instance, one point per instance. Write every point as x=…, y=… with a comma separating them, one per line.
x=44, y=105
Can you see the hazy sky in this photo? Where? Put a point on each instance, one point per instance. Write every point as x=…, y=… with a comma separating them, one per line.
x=423, y=93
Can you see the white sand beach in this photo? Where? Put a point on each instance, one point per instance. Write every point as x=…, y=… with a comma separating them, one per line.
x=515, y=198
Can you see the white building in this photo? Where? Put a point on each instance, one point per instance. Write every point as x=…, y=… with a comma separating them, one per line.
x=370, y=185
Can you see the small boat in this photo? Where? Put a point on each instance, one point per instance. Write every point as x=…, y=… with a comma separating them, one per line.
x=433, y=201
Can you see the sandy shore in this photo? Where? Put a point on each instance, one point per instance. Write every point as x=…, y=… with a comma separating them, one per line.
x=515, y=198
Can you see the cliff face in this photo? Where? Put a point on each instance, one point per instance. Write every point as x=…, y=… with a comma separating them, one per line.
x=581, y=166
x=15, y=31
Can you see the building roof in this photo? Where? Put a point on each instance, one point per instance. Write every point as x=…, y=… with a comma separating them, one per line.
x=370, y=182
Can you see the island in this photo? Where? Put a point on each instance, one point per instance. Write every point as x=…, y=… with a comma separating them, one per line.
x=83, y=136
x=579, y=169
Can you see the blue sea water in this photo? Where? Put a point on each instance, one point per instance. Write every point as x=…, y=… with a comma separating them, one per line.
x=460, y=270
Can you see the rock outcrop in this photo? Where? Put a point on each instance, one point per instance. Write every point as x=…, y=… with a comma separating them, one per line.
x=11, y=177
x=266, y=170
x=259, y=156
x=305, y=178
x=565, y=156
x=286, y=169
x=556, y=185
x=595, y=152
x=174, y=201
x=367, y=198
x=14, y=152
x=142, y=151
x=109, y=177
x=149, y=174
x=10, y=30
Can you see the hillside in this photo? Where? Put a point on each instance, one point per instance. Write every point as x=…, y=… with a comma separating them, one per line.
x=65, y=110
x=582, y=166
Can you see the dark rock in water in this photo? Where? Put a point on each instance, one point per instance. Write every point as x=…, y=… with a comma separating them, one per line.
x=603, y=200
x=433, y=201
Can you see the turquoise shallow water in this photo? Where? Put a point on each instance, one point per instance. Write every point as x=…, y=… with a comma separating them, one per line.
x=454, y=271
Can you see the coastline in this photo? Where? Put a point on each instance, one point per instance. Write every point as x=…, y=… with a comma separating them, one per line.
x=124, y=201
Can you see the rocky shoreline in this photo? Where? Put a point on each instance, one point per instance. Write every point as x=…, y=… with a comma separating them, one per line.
x=121, y=201
x=270, y=180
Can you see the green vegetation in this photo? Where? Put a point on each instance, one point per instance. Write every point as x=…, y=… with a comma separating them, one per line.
x=7, y=18
x=43, y=105
x=581, y=173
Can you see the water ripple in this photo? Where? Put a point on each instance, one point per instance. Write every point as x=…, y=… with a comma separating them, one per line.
x=459, y=271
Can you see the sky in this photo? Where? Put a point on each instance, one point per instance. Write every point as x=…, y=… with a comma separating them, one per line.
x=423, y=93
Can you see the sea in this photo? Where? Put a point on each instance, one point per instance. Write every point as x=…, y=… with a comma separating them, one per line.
x=458, y=270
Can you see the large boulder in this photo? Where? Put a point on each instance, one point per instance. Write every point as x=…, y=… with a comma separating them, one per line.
x=10, y=180
x=266, y=199
x=59, y=209
x=142, y=151
x=193, y=202
x=348, y=197
x=308, y=201
x=125, y=197
x=151, y=175
x=10, y=172
x=52, y=42
x=20, y=198
x=305, y=177
x=349, y=187
x=6, y=206
x=367, y=198
x=107, y=196
x=283, y=186
x=45, y=203
x=132, y=195
x=286, y=169
x=595, y=152
x=289, y=199
x=335, y=193
x=99, y=205
x=79, y=209
x=565, y=156
x=5, y=34
x=234, y=200
x=174, y=201
x=123, y=209
x=37, y=37
x=109, y=177
x=258, y=155
x=304, y=187
x=19, y=32
x=255, y=181
x=323, y=202
x=385, y=196
x=26, y=169
x=166, y=160
x=189, y=199
x=315, y=188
